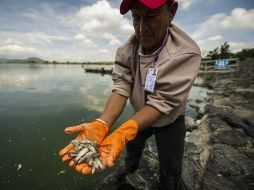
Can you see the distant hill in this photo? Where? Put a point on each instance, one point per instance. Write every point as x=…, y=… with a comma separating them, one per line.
x=35, y=59
x=3, y=59
x=28, y=60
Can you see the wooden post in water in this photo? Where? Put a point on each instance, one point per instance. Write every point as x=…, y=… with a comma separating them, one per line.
x=102, y=70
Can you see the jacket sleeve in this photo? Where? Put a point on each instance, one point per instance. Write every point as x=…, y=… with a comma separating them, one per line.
x=121, y=75
x=174, y=81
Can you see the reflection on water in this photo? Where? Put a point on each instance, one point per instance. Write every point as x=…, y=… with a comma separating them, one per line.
x=36, y=103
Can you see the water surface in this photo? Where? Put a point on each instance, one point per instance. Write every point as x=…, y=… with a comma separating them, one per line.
x=36, y=103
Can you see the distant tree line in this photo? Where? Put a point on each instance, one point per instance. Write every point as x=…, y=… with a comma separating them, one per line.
x=223, y=52
x=37, y=60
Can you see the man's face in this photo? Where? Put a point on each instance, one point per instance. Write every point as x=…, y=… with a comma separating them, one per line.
x=150, y=25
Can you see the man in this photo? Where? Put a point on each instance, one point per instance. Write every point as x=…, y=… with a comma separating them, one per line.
x=155, y=68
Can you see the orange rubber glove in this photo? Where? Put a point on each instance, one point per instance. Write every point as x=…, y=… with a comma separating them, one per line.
x=95, y=131
x=113, y=145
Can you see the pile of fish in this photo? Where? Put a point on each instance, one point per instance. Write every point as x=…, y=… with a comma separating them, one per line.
x=86, y=151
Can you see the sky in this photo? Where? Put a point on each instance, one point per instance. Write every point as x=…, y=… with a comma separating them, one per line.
x=92, y=30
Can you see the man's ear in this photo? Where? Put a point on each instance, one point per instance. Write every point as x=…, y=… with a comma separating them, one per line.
x=173, y=9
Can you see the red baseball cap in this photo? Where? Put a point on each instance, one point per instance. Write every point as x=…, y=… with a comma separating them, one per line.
x=151, y=4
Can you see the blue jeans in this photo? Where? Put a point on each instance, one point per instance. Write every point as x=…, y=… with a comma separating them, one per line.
x=170, y=146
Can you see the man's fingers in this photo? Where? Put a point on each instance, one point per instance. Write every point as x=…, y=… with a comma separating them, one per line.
x=66, y=158
x=87, y=170
x=107, y=161
x=110, y=162
x=65, y=150
x=72, y=164
x=74, y=129
x=80, y=167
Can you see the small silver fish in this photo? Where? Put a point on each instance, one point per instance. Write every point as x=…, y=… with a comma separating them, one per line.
x=86, y=151
x=81, y=154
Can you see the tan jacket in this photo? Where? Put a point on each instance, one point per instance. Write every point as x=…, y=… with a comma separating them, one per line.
x=178, y=64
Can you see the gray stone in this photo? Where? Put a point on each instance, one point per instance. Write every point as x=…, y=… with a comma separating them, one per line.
x=230, y=137
x=212, y=181
x=229, y=168
x=250, y=122
x=216, y=123
x=190, y=123
x=238, y=123
x=191, y=166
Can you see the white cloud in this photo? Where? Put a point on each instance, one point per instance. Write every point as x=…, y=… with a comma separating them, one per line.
x=15, y=44
x=100, y=17
x=9, y=45
x=45, y=11
x=111, y=38
x=185, y=4
x=208, y=27
x=31, y=37
x=80, y=37
x=32, y=14
x=91, y=33
x=14, y=49
x=6, y=41
x=240, y=19
x=42, y=38
x=211, y=39
x=210, y=43
x=215, y=38
x=101, y=29
x=103, y=51
x=223, y=27
x=236, y=47
x=85, y=41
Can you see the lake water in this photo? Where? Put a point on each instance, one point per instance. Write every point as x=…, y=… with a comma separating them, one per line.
x=36, y=103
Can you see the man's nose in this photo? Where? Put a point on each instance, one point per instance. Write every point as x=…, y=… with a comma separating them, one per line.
x=143, y=26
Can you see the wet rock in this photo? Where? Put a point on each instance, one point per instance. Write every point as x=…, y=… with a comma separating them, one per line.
x=217, y=124
x=199, y=106
x=190, y=123
x=136, y=180
x=249, y=121
x=199, y=121
x=250, y=154
x=145, y=178
x=234, y=138
x=228, y=169
x=213, y=181
x=192, y=166
x=228, y=161
x=238, y=123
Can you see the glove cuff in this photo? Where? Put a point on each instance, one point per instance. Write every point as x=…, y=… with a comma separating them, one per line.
x=129, y=129
x=104, y=124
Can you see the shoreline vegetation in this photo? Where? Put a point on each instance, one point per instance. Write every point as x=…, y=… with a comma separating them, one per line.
x=221, y=52
x=40, y=61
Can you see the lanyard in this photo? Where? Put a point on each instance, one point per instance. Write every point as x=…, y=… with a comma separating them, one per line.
x=156, y=57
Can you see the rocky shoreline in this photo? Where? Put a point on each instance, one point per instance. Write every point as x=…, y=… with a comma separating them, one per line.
x=219, y=154
x=219, y=148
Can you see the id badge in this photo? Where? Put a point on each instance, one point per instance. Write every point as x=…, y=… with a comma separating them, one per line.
x=151, y=79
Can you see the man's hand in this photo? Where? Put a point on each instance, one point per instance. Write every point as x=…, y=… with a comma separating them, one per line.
x=95, y=131
x=113, y=145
